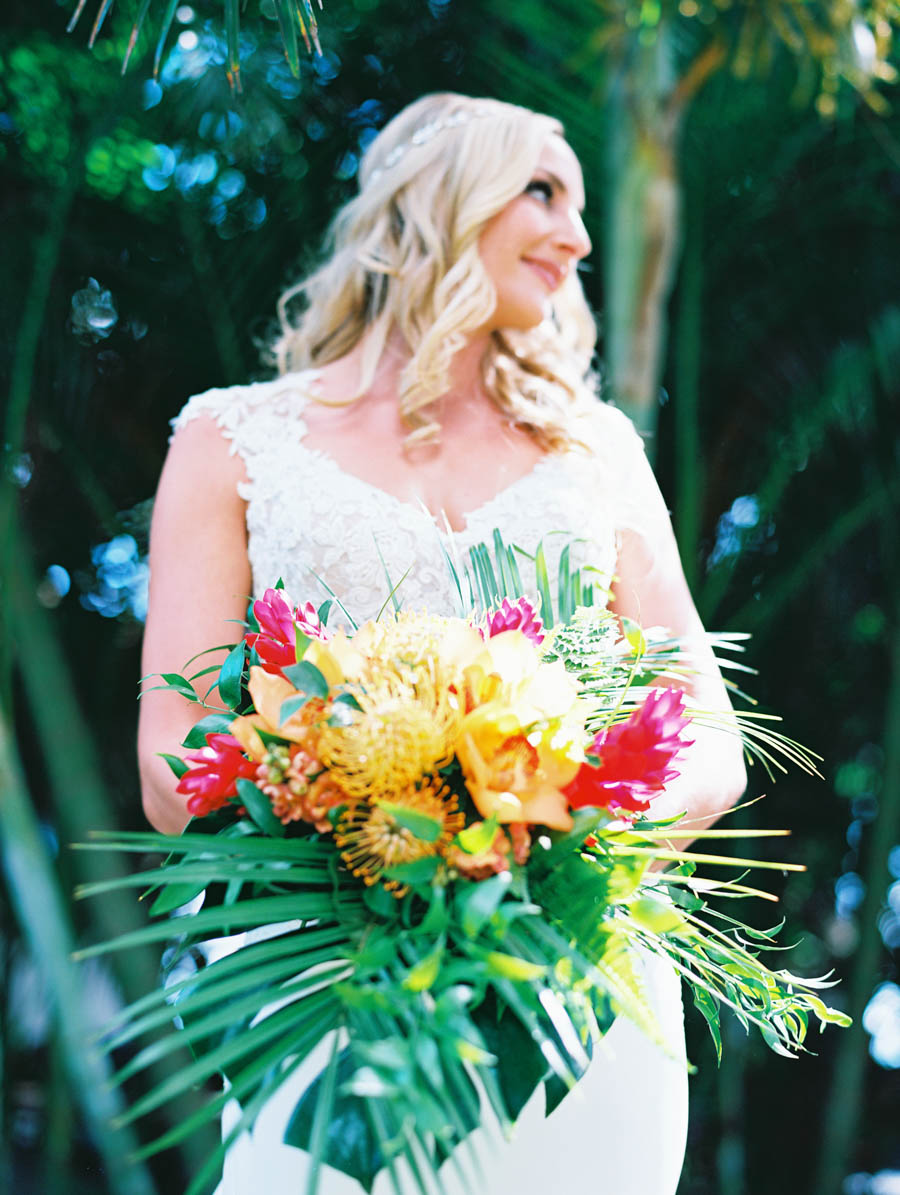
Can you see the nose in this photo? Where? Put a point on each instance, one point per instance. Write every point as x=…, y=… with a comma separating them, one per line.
x=572, y=234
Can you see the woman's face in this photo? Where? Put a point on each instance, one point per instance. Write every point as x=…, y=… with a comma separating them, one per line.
x=531, y=246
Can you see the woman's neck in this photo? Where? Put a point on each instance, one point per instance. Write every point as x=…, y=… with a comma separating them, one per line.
x=464, y=396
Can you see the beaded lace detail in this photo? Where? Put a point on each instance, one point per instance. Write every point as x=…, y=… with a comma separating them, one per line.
x=321, y=528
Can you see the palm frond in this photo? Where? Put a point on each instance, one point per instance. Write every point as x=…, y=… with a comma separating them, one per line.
x=295, y=21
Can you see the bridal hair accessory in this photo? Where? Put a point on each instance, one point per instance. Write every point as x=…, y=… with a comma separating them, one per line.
x=427, y=132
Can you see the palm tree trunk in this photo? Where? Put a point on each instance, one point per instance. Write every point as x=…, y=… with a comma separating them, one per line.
x=689, y=472
x=642, y=228
x=647, y=106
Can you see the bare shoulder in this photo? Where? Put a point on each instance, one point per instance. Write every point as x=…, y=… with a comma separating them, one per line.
x=201, y=451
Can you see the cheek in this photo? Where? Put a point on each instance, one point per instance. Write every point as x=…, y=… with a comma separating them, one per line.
x=506, y=238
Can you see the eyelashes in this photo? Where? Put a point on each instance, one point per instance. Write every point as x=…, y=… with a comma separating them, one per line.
x=540, y=187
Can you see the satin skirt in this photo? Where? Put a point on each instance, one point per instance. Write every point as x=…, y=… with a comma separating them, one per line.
x=621, y=1131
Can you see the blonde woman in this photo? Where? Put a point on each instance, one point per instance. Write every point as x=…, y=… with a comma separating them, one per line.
x=434, y=386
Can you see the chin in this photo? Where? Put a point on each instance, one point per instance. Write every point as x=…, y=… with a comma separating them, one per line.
x=522, y=317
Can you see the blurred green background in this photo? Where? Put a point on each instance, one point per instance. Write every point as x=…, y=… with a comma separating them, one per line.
x=742, y=163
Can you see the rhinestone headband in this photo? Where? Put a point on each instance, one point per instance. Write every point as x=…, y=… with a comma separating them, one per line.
x=427, y=132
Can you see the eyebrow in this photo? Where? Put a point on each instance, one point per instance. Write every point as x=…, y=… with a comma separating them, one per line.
x=557, y=181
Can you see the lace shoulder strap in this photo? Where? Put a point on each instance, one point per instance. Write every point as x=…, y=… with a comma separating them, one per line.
x=255, y=416
x=618, y=456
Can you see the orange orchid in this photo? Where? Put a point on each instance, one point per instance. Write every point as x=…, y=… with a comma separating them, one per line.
x=268, y=692
x=516, y=767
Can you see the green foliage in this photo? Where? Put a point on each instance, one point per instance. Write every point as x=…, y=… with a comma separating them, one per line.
x=795, y=218
x=292, y=19
x=509, y=987
x=259, y=808
x=499, y=570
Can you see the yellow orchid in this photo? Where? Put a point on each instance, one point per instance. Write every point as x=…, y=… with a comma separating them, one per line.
x=338, y=659
x=509, y=668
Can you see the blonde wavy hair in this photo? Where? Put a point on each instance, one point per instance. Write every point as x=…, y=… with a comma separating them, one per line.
x=404, y=254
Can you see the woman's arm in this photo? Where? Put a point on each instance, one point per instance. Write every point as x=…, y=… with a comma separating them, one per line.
x=199, y=582
x=651, y=589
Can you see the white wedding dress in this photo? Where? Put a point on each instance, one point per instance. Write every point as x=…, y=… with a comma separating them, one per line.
x=622, y=1130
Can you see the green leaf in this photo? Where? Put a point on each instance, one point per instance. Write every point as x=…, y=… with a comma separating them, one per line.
x=659, y=916
x=307, y=678
x=259, y=808
x=177, y=682
x=555, y=1091
x=379, y=901
x=493, y=575
x=479, y=837
x=288, y=30
x=350, y=1143
x=318, y=1144
x=510, y=966
x=173, y=896
x=378, y=948
x=230, y=677
x=422, y=975
x=420, y=825
x=178, y=765
x=520, y=1064
x=510, y=581
x=164, y=28
x=709, y=1007
x=826, y=1015
x=219, y=982
x=542, y=578
x=232, y=40
x=301, y=643
x=565, y=597
x=226, y=1055
x=135, y=32
x=324, y=610
x=211, y=724
x=420, y=871
x=476, y=902
x=437, y=918
x=634, y=636
x=290, y=706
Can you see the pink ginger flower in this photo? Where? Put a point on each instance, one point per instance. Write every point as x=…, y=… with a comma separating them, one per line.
x=307, y=620
x=633, y=758
x=276, y=640
x=213, y=778
x=516, y=616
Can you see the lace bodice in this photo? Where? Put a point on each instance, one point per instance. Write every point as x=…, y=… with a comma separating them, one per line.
x=323, y=529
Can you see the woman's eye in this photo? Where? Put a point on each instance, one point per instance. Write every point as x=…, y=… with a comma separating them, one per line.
x=541, y=188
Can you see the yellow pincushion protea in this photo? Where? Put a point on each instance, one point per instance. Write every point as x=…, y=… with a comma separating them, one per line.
x=407, y=672
x=372, y=837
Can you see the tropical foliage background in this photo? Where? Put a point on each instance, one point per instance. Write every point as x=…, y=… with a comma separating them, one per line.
x=742, y=163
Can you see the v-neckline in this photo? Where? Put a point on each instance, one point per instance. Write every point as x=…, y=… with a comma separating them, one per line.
x=440, y=522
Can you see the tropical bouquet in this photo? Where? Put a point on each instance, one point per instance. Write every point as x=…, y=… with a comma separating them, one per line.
x=441, y=830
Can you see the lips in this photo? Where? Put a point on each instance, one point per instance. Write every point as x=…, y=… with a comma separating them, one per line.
x=551, y=273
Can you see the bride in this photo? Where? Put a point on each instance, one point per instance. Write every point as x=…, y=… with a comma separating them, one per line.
x=434, y=387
